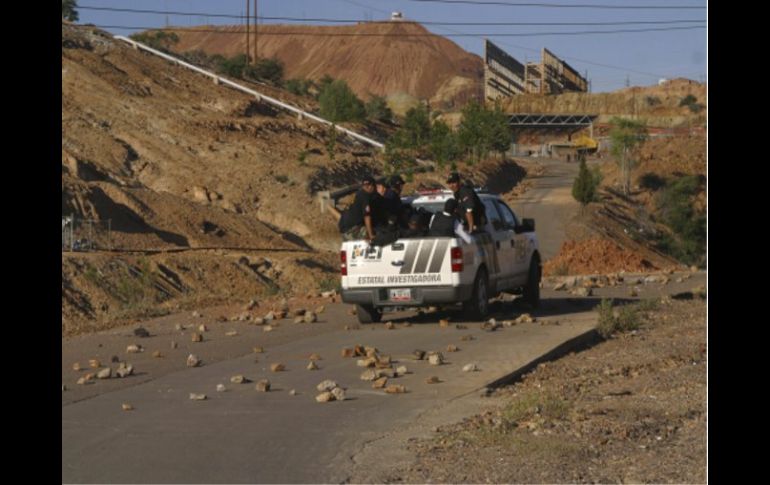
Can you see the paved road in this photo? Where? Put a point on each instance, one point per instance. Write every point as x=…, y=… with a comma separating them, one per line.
x=241, y=435
x=550, y=203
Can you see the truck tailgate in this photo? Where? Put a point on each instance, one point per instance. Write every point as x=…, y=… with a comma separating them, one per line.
x=405, y=263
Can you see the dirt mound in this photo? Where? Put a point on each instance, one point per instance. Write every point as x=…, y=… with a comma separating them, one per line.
x=406, y=59
x=595, y=256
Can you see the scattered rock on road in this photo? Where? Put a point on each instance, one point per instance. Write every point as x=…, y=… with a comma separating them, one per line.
x=193, y=361
x=231, y=333
x=368, y=375
x=432, y=380
x=380, y=383
x=174, y=344
x=466, y=338
x=124, y=370
x=221, y=388
x=157, y=354
x=395, y=389
x=315, y=356
x=470, y=368
x=258, y=350
x=325, y=396
x=105, y=373
x=239, y=379
x=127, y=407
x=278, y=367
x=76, y=366
x=436, y=358
x=309, y=317
x=141, y=332
x=452, y=348
x=134, y=349
x=419, y=354
x=312, y=365
x=263, y=385
x=196, y=337
x=197, y=397
x=326, y=385
x=94, y=363
x=339, y=393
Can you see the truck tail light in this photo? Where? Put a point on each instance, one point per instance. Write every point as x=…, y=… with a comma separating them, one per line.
x=343, y=263
x=457, y=260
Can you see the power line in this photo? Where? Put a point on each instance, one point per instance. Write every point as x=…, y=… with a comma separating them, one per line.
x=566, y=5
x=372, y=34
x=424, y=22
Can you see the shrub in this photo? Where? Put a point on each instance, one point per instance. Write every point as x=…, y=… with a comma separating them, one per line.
x=339, y=103
x=300, y=87
x=157, y=39
x=270, y=70
x=377, y=109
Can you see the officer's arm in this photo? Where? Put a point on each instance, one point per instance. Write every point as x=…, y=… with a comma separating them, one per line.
x=368, y=224
x=469, y=218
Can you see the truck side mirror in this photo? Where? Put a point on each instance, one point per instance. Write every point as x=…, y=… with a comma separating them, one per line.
x=527, y=225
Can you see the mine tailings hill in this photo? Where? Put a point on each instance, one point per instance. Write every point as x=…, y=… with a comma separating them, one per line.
x=380, y=58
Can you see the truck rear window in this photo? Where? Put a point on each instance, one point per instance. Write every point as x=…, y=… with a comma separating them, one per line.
x=429, y=206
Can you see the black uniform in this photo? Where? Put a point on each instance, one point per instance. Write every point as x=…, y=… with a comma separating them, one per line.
x=467, y=199
x=354, y=215
x=442, y=225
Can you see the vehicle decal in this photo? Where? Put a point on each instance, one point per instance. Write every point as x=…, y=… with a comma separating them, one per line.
x=411, y=251
x=438, y=256
x=422, y=260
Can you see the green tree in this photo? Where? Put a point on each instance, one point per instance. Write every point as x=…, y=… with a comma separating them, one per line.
x=270, y=70
x=377, y=109
x=339, y=103
x=443, y=143
x=626, y=136
x=499, y=130
x=68, y=11
x=471, y=134
x=585, y=185
x=678, y=212
x=157, y=39
x=416, y=127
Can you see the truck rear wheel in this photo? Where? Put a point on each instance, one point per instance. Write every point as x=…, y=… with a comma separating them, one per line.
x=368, y=314
x=532, y=288
x=477, y=308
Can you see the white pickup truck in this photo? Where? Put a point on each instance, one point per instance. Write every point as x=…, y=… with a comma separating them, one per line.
x=435, y=271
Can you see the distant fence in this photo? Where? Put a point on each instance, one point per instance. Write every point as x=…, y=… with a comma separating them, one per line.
x=78, y=234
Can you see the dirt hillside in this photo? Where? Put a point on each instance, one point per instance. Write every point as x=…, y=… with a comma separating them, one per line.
x=425, y=66
x=658, y=104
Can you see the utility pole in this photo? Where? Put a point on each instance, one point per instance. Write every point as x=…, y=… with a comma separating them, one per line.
x=248, y=44
x=256, y=32
x=628, y=81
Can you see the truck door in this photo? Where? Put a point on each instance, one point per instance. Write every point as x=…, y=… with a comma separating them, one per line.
x=495, y=245
x=519, y=263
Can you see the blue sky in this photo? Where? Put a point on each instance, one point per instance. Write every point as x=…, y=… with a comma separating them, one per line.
x=640, y=57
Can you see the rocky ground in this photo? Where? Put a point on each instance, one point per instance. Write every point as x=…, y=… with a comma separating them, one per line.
x=630, y=409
